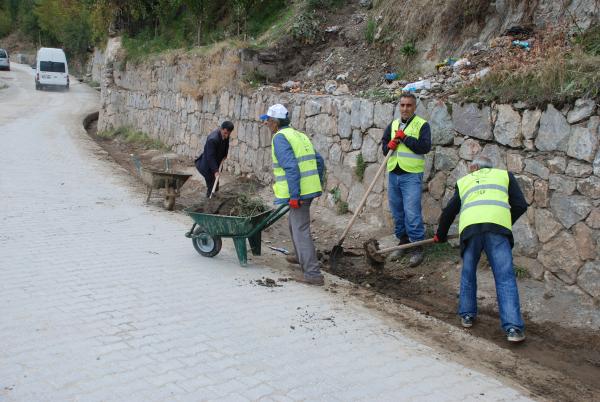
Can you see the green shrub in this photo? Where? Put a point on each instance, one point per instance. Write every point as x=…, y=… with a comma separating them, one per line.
x=306, y=28
x=590, y=41
x=342, y=208
x=408, y=49
x=359, y=170
x=520, y=272
x=370, y=30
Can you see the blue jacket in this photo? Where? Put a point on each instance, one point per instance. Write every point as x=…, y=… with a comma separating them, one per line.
x=287, y=160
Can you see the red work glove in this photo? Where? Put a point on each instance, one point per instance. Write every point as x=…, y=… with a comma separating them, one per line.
x=392, y=145
x=294, y=203
x=400, y=135
x=437, y=239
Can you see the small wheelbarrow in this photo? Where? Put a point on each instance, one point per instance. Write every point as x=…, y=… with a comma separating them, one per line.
x=208, y=229
x=166, y=179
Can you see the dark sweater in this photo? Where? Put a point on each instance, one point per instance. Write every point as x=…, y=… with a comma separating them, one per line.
x=518, y=206
x=215, y=150
x=419, y=146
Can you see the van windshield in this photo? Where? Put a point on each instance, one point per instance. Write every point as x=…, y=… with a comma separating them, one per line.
x=52, y=66
x=3, y=54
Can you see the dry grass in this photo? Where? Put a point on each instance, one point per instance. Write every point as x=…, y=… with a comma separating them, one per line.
x=552, y=72
x=212, y=70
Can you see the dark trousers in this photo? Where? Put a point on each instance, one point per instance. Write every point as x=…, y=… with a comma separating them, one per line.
x=209, y=177
x=210, y=182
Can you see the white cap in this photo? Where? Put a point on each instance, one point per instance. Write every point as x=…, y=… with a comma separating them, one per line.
x=277, y=111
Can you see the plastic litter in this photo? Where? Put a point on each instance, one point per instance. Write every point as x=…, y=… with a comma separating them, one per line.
x=279, y=249
x=460, y=64
x=391, y=76
x=417, y=86
x=523, y=44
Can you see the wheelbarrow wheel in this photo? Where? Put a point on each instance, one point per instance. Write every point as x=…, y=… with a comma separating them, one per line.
x=205, y=244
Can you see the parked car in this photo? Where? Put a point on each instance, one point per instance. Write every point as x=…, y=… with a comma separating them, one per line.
x=51, y=68
x=4, y=60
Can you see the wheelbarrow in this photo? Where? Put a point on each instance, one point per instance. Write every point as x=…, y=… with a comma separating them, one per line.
x=165, y=179
x=208, y=230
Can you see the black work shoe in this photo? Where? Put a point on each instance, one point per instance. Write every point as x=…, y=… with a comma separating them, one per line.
x=467, y=321
x=416, y=257
x=515, y=335
x=292, y=259
x=318, y=281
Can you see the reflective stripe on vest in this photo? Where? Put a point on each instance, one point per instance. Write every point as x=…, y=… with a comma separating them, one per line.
x=403, y=156
x=484, y=198
x=304, y=152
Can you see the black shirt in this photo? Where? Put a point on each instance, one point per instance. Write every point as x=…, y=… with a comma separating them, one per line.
x=419, y=146
x=518, y=206
x=215, y=150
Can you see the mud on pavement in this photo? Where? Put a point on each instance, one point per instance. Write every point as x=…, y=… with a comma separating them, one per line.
x=554, y=363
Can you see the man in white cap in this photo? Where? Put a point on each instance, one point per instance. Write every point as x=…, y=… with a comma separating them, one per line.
x=298, y=171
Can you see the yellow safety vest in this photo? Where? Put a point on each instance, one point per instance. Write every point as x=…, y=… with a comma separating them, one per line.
x=307, y=164
x=403, y=156
x=484, y=198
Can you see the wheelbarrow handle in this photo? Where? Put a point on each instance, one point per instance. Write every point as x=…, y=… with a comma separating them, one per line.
x=270, y=219
x=410, y=245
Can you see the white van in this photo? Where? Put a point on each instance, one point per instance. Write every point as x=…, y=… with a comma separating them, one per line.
x=52, y=69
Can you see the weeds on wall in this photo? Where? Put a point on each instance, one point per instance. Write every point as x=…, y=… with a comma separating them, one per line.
x=341, y=207
x=360, y=168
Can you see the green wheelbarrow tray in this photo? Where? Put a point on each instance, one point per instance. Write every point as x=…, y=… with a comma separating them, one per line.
x=208, y=229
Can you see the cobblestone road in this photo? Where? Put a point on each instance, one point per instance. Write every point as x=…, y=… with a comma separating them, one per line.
x=103, y=299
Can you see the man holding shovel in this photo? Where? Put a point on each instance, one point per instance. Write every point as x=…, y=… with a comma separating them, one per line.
x=298, y=171
x=215, y=151
x=489, y=202
x=409, y=138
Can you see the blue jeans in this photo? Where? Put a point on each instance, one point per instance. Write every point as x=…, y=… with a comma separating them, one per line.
x=499, y=253
x=404, y=195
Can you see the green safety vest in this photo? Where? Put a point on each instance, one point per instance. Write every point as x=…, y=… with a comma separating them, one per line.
x=403, y=156
x=304, y=152
x=484, y=198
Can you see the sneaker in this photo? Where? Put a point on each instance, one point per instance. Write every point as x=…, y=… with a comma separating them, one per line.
x=515, y=335
x=318, y=281
x=397, y=254
x=292, y=259
x=416, y=257
x=467, y=321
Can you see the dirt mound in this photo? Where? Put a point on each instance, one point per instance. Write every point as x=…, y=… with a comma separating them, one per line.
x=234, y=199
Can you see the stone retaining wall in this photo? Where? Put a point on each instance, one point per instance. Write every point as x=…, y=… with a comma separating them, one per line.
x=553, y=153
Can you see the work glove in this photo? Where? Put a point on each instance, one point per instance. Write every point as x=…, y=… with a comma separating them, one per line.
x=294, y=203
x=392, y=145
x=439, y=239
x=400, y=135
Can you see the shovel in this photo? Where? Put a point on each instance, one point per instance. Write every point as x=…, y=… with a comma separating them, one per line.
x=375, y=255
x=337, y=251
x=216, y=180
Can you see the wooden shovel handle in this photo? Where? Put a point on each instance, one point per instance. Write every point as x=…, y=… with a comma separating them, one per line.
x=410, y=245
x=216, y=180
x=364, y=199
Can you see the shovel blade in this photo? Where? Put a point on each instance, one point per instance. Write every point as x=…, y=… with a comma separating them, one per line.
x=337, y=253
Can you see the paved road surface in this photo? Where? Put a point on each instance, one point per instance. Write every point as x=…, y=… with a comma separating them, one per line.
x=103, y=299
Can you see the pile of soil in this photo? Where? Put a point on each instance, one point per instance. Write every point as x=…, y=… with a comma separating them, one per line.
x=234, y=199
